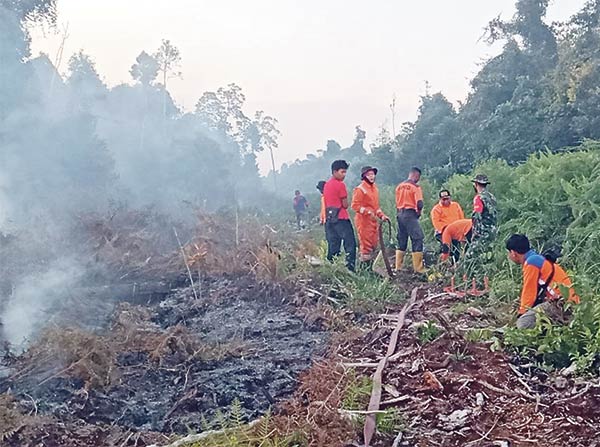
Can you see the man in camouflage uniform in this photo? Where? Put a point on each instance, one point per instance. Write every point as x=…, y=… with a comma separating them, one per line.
x=485, y=230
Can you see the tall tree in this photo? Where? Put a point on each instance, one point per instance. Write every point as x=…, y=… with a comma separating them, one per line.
x=169, y=61
x=265, y=135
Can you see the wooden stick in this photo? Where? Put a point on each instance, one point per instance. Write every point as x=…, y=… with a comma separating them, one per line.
x=186, y=263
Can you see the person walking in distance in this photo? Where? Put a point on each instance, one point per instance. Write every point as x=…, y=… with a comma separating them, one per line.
x=300, y=207
x=409, y=205
x=338, y=228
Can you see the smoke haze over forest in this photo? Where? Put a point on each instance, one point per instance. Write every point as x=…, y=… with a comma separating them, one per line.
x=320, y=68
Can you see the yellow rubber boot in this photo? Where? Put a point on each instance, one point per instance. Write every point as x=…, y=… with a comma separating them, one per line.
x=417, y=260
x=399, y=259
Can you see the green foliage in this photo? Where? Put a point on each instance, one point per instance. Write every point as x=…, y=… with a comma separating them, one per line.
x=461, y=355
x=391, y=422
x=357, y=392
x=428, y=332
x=356, y=397
x=362, y=291
x=557, y=345
x=230, y=431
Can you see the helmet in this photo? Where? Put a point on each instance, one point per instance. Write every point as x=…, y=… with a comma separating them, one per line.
x=366, y=169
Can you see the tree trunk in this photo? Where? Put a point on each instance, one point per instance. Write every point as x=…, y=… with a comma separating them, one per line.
x=273, y=167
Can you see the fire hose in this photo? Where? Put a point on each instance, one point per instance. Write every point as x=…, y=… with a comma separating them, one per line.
x=384, y=254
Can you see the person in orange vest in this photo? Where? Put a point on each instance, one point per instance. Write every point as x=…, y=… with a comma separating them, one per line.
x=409, y=205
x=541, y=278
x=454, y=235
x=322, y=214
x=444, y=213
x=365, y=203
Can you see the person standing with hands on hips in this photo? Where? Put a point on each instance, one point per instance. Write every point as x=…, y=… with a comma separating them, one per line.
x=409, y=205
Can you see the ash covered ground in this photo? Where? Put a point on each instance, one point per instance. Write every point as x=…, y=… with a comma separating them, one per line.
x=177, y=360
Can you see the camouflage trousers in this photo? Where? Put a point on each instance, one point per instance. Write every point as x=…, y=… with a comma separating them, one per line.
x=478, y=258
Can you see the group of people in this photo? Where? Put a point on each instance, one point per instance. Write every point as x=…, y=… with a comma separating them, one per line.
x=473, y=236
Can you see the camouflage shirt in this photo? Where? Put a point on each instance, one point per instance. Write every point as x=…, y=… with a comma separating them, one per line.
x=485, y=212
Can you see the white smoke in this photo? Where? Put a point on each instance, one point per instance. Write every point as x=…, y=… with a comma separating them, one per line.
x=28, y=308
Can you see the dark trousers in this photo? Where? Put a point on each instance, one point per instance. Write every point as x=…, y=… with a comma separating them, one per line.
x=455, y=250
x=409, y=226
x=336, y=233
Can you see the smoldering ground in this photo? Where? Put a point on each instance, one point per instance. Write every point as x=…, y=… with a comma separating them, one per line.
x=72, y=147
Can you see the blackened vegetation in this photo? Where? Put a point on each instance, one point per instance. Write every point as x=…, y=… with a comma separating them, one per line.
x=170, y=365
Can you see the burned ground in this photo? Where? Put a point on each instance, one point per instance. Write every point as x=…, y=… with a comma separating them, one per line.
x=168, y=366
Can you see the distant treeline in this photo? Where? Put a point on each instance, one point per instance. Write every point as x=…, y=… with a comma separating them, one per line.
x=540, y=93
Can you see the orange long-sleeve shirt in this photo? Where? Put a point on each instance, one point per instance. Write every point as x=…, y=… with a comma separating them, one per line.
x=457, y=231
x=536, y=268
x=409, y=195
x=365, y=200
x=442, y=216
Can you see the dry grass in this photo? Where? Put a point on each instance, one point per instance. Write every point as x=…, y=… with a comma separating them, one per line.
x=314, y=409
x=70, y=353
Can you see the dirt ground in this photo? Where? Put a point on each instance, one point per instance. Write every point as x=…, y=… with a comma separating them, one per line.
x=456, y=393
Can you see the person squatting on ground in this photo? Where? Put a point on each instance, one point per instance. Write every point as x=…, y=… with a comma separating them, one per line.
x=300, y=207
x=365, y=203
x=322, y=214
x=454, y=235
x=338, y=228
x=480, y=252
x=444, y=213
x=541, y=278
x=409, y=205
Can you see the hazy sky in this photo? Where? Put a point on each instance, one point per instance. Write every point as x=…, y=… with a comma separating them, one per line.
x=320, y=67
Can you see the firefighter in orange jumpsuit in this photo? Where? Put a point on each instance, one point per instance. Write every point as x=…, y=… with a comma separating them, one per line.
x=365, y=203
x=453, y=236
x=444, y=213
x=542, y=277
x=409, y=205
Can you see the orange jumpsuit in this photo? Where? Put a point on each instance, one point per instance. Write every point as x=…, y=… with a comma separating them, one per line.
x=455, y=233
x=442, y=216
x=365, y=203
x=536, y=269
